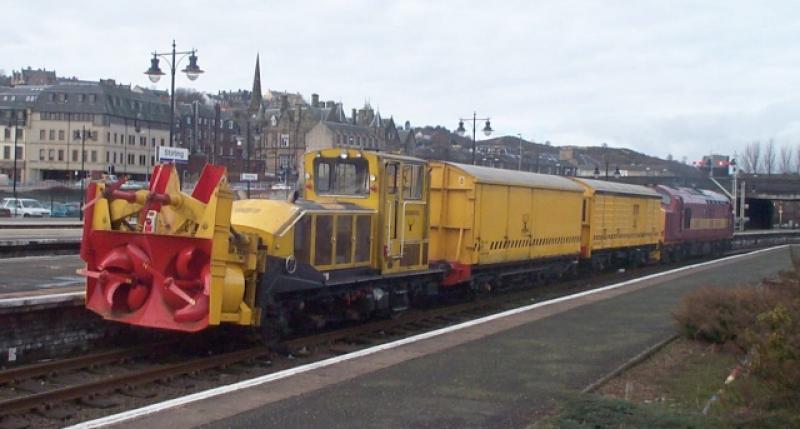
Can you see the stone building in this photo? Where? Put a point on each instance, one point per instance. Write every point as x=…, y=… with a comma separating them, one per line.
x=286, y=133
x=123, y=127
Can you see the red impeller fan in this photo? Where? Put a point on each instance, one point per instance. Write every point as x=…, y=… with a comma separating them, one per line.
x=128, y=279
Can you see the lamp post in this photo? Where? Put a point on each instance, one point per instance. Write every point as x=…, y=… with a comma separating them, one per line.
x=15, y=120
x=192, y=72
x=735, y=202
x=519, y=166
x=605, y=157
x=83, y=170
x=487, y=131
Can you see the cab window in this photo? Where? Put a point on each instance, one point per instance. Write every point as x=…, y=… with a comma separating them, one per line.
x=391, y=178
x=412, y=182
x=335, y=176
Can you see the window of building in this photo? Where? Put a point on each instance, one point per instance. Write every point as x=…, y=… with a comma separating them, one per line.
x=94, y=156
x=60, y=135
x=284, y=140
x=153, y=142
x=61, y=154
x=42, y=134
x=6, y=152
x=131, y=158
x=76, y=135
x=162, y=141
x=74, y=155
x=115, y=157
x=7, y=133
x=115, y=137
x=283, y=162
x=52, y=134
x=51, y=154
x=20, y=153
x=19, y=133
x=142, y=159
x=108, y=157
x=41, y=154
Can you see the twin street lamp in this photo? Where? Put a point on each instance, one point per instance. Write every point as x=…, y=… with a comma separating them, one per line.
x=487, y=131
x=192, y=71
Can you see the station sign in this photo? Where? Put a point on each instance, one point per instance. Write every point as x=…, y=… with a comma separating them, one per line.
x=177, y=155
x=249, y=177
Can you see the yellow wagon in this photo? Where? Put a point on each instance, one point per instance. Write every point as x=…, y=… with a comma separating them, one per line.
x=622, y=224
x=484, y=219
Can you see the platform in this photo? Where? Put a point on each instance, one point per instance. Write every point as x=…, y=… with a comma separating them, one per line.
x=501, y=371
x=37, y=275
x=39, y=223
x=26, y=236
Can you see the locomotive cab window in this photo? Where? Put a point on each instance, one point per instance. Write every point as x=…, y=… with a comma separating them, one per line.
x=687, y=218
x=335, y=176
x=412, y=182
x=391, y=179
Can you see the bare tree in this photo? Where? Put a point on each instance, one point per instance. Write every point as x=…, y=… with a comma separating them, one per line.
x=752, y=157
x=786, y=159
x=797, y=160
x=769, y=157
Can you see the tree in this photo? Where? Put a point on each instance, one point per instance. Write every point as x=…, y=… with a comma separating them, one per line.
x=188, y=95
x=769, y=157
x=752, y=157
x=797, y=160
x=786, y=159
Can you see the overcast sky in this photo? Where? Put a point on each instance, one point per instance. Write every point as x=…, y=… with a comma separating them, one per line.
x=663, y=77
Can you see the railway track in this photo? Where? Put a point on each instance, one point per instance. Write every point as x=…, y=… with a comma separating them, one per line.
x=67, y=391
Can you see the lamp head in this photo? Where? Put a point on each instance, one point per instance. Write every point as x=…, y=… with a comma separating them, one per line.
x=192, y=70
x=154, y=72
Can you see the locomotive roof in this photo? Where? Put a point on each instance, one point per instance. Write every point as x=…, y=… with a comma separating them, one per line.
x=497, y=176
x=608, y=187
x=693, y=195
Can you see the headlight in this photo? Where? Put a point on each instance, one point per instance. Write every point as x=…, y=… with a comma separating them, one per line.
x=291, y=264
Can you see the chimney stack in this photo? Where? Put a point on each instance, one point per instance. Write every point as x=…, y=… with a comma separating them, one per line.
x=314, y=100
x=355, y=117
x=330, y=104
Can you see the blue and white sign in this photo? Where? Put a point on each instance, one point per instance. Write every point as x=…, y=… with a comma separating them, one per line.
x=177, y=155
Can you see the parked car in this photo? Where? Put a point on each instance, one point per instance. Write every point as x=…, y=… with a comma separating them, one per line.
x=25, y=207
x=66, y=210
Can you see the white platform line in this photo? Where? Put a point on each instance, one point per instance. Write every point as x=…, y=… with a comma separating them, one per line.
x=184, y=400
x=41, y=299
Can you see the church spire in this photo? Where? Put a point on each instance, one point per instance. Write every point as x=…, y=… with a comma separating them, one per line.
x=256, y=96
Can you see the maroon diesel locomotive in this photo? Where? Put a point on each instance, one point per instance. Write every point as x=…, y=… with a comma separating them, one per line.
x=696, y=222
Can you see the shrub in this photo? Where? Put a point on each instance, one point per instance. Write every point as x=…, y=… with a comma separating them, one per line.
x=774, y=342
x=719, y=315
